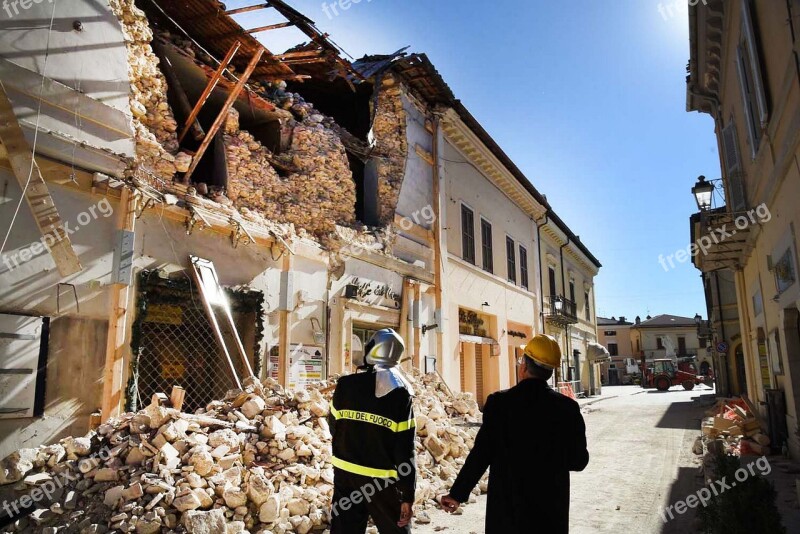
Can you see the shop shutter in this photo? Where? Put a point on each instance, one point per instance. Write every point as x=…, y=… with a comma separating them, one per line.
x=23, y=354
x=463, y=368
x=479, y=374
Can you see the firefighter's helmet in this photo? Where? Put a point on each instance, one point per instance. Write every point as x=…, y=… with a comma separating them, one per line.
x=385, y=348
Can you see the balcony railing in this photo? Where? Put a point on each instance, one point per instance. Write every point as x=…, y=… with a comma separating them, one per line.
x=560, y=311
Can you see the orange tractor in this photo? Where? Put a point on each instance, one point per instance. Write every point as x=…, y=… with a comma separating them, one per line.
x=662, y=375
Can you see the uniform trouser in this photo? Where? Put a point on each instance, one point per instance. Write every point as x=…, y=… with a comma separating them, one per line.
x=376, y=498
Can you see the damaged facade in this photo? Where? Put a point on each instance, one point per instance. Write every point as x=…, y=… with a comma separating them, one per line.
x=322, y=191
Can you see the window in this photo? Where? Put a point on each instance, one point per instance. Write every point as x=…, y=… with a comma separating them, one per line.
x=681, y=345
x=613, y=349
x=572, y=290
x=752, y=86
x=610, y=333
x=659, y=343
x=486, y=246
x=587, y=306
x=467, y=234
x=523, y=266
x=703, y=342
x=784, y=272
x=511, y=256
x=552, y=278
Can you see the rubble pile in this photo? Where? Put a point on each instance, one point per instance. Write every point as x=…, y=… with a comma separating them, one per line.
x=319, y=191
x=153, y=122
x=391, y=149
x=256, y=461
x=732, y=426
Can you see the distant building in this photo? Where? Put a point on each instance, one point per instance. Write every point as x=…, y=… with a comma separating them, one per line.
x=669, y=336
x=615, y=335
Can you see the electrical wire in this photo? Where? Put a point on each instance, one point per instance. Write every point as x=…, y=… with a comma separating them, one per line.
x=36, y=131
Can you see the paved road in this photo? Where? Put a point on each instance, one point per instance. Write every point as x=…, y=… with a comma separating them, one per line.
x=641, y=459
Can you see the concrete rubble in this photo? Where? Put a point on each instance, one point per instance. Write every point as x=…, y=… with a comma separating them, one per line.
x=256, y=461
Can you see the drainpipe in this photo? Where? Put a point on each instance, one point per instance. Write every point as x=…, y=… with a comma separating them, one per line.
x=721, y=378
x=568, y=335
x=541, y=281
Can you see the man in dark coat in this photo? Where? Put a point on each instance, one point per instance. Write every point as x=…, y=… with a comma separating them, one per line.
x=531, y=437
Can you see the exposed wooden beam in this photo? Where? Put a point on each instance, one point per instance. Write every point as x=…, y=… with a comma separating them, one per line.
x=175, y=84
x=247, y=9
x=37, y=194
x=270, y=27
x=234, y=94
x=212, y=83
x=114, y=369
x=296, y=55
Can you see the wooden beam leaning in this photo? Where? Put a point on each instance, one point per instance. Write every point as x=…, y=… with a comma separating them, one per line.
x=223, y=113
x=37, y=194
x=212, y=83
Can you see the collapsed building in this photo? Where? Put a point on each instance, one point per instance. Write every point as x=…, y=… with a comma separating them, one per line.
x=201, y=211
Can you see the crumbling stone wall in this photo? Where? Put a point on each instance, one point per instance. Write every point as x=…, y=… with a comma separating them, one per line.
x=316, y=196
x=391, y=150
x=153, y=122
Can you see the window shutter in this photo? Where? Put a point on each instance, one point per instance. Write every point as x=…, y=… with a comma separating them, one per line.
x=752, y=53
x=750, y=118
x=731, y=148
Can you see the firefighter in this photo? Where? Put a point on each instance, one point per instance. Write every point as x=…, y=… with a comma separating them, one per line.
x=532, y=437
x=373, y=429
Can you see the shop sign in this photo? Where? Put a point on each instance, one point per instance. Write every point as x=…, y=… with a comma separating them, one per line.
x=375, y=293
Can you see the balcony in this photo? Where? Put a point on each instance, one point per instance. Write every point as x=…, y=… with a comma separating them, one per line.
x=560, y=311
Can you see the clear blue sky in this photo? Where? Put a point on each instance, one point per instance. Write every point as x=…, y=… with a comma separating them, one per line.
x=588, y=97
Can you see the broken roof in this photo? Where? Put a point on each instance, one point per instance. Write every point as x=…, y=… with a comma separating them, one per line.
x=210, y=23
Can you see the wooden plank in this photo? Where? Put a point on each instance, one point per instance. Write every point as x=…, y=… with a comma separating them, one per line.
x=114, y=369
x=37, y=194
x=177, y=396
x=212, y=83
x=234, y=94
x=247, y=9
x=270, y=27
x=409, y=227
x=284, y=331
x=299, y=55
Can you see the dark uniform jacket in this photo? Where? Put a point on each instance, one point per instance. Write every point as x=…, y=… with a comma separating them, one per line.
x=532, y=437
x=374, y=437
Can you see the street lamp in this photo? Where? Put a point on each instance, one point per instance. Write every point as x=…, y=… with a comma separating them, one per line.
x=698, y=319
x=703, y=192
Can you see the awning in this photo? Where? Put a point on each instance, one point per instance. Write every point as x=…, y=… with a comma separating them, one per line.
x=596, y=353
x=477, y=340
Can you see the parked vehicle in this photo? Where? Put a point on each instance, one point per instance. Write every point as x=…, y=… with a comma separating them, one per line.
x=663, y=374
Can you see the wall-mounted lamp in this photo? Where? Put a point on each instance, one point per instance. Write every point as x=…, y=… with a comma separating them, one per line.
x=703, y=192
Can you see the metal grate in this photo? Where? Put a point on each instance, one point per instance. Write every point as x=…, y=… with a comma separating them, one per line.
x=179, y=348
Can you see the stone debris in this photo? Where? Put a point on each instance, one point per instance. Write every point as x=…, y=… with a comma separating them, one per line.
x=153, y=122
x=256, y=461
x=317, y=191
x=389, y=129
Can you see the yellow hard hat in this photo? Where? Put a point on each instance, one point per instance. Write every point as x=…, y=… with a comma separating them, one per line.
x=544, y=351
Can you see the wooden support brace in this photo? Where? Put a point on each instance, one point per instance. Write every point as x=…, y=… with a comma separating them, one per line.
x=247, y=9
x=270, y=27
x=37, y=194
x=212, y=83
x=223, y=114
